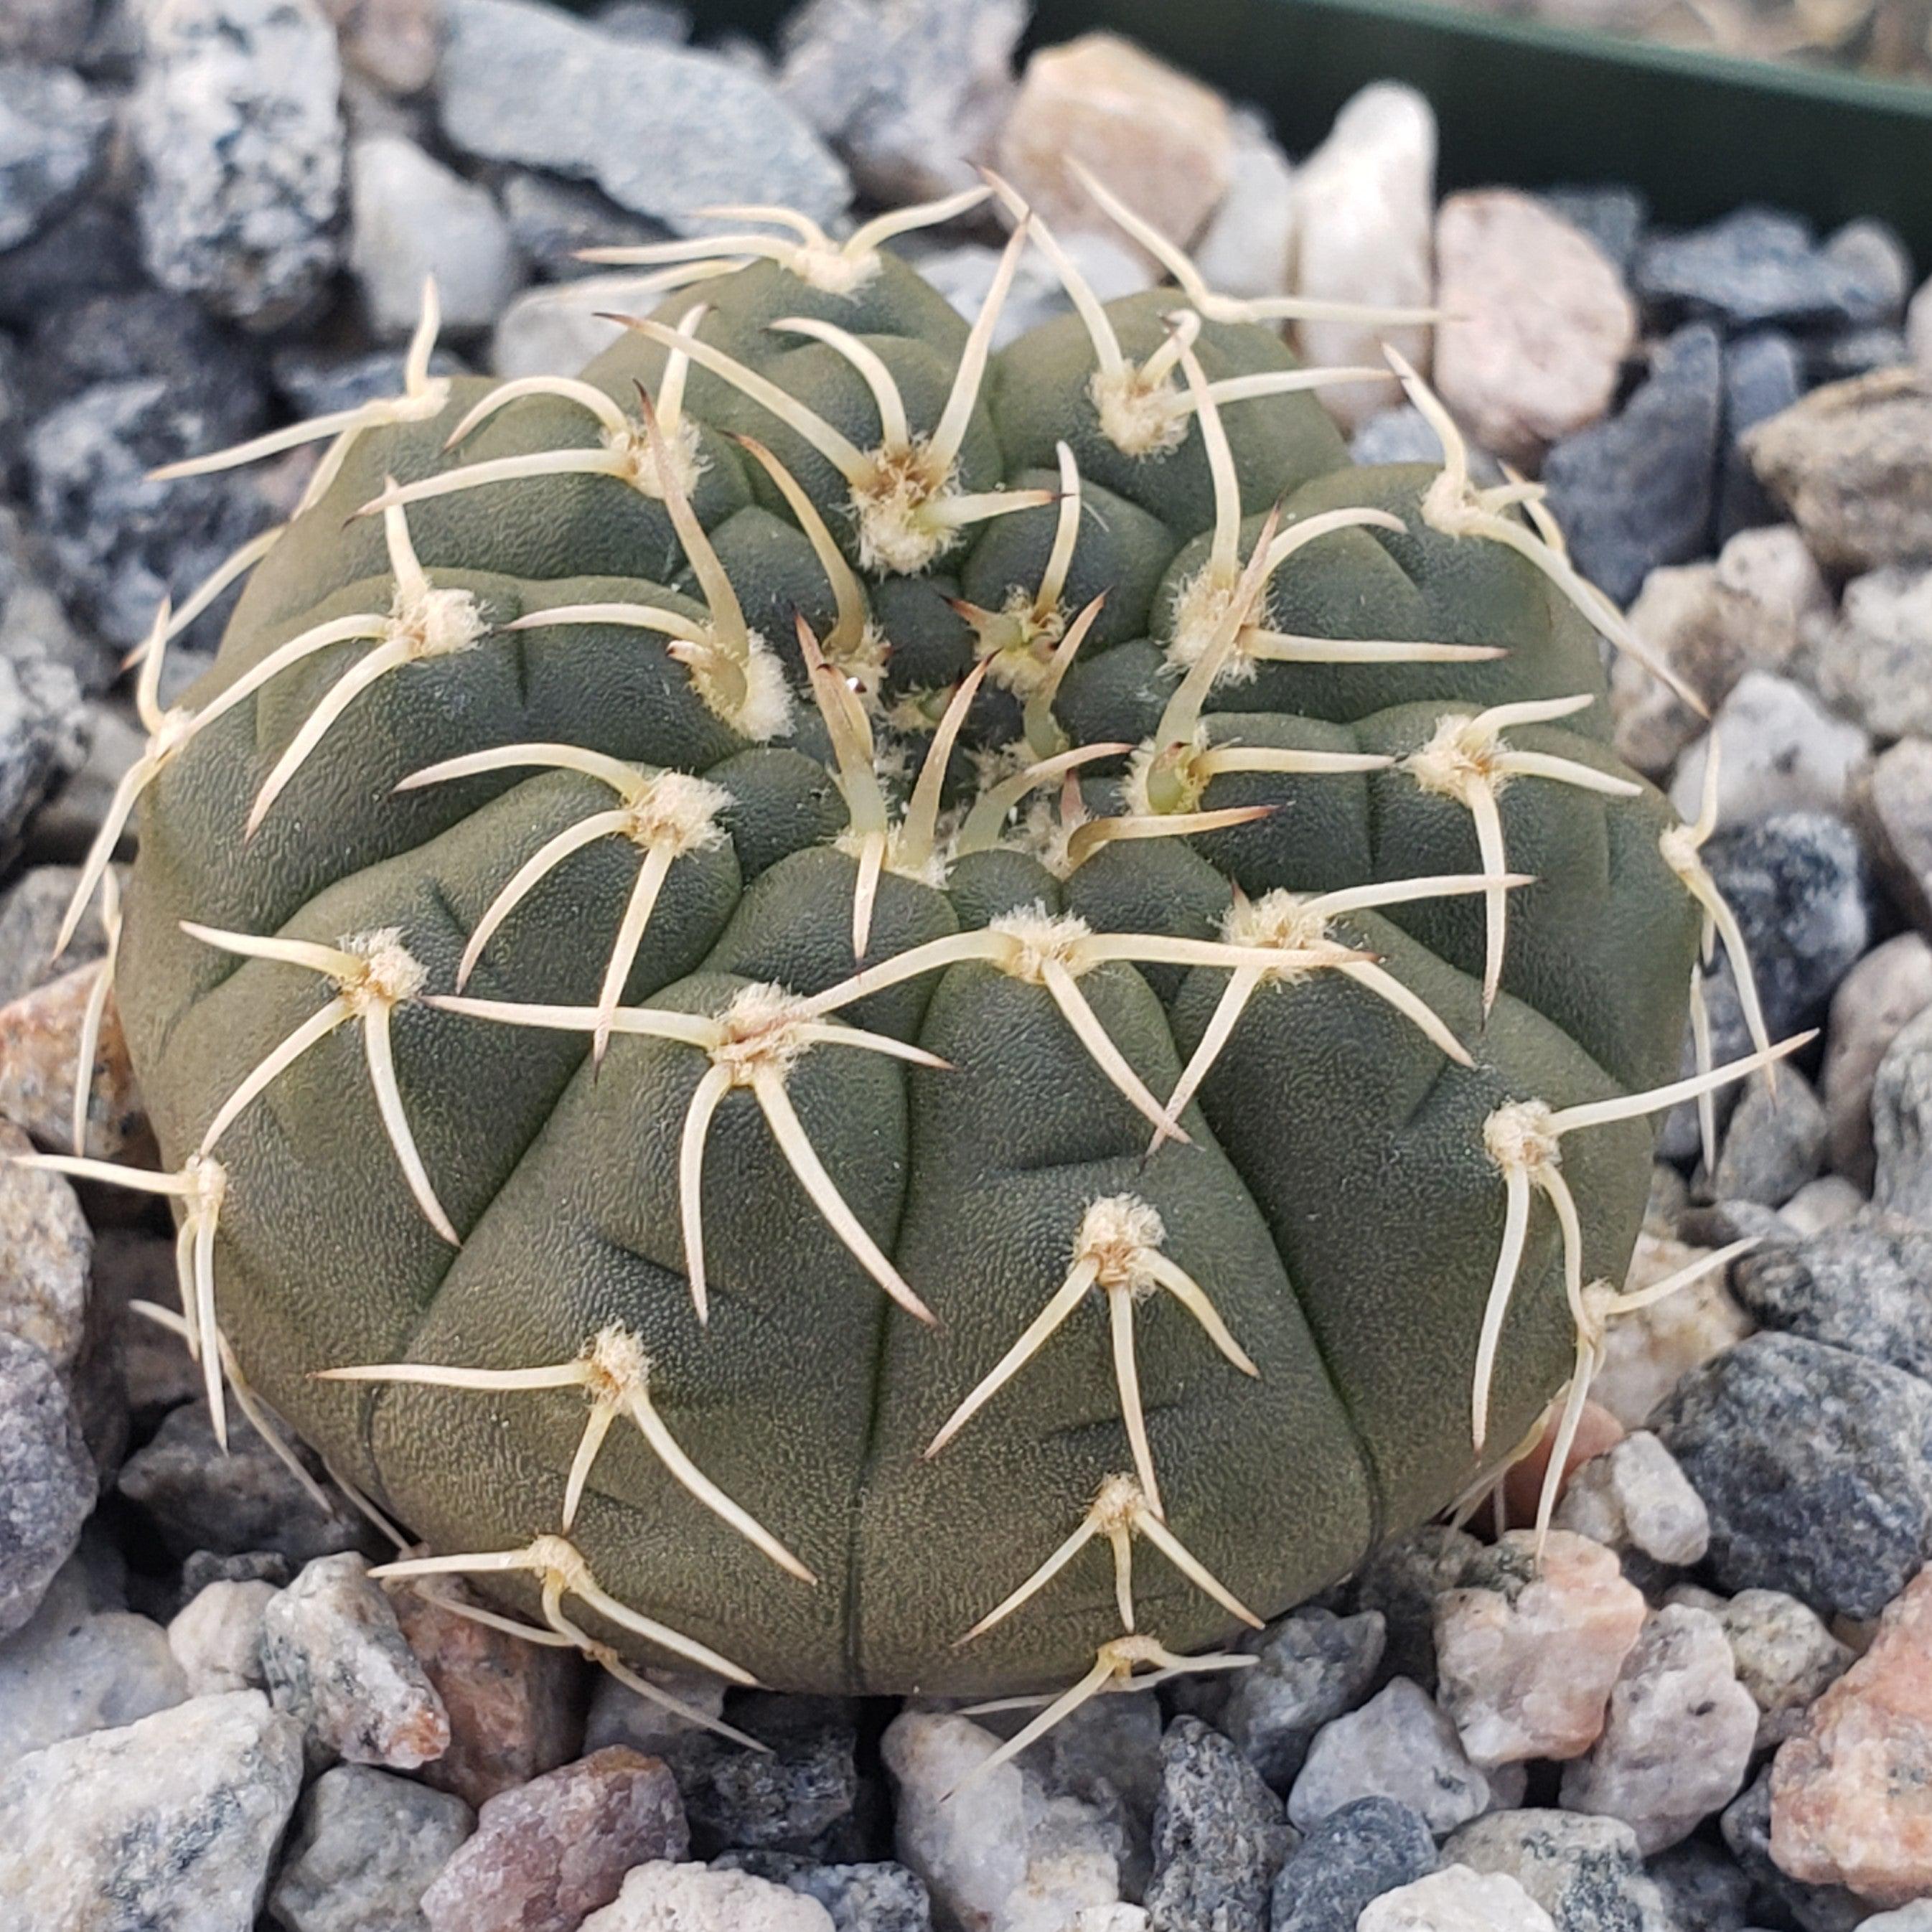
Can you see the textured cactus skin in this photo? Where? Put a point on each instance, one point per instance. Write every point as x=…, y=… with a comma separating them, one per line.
x=1337, y=1203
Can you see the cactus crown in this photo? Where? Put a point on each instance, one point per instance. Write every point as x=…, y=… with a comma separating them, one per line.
x=982, y=959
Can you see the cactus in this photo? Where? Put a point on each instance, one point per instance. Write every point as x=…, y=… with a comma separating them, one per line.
x=880, y=1015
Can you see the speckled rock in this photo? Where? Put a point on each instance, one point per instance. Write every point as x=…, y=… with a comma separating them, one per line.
x=1901, y=1116
x=1851, y=1803
x=1784, y=1656
x=1586, y=1873
x=790, y=1797
x=236, y=125
x=1219, y=1836
x=52, y=134
x=170, y=1821
x=216, y=1637
x=1635, y=1497
x=1783, y=752
x=1314, y=1665
x=1889, y=986
x=1456, y=1900
x=46, y=1479
x=548, y=1854
x=1869, y=664
x=335, y=1660
x=40, y=1035
x=1746, y=1827
x=1649, y=1351
x=364, y=1847
x=1705, y=1889
x=1355, y=1854
x=882, y=1897
x=1527, y=1652
x=1678, y=1742
x=1398, y=1745
x=512, y=1707
x=1865, y=1286
x=1890, y=801
x=1812, y=1462
x=660, y=1897
x=46, y=1250
x=1400, y=1582
x=1774, y=1143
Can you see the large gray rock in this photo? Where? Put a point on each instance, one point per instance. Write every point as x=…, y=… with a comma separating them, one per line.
x=1314, y=1666
x=52, y=134
x=46, y=1479
x=1219, y=1836
x=1400, y=1745
x=169, y=1823
x=235, y=125
x=1586, y=1873
x=1865, y=1286
x=662, y=129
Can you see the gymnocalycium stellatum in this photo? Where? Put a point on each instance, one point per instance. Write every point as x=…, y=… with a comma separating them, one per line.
x=804, y=994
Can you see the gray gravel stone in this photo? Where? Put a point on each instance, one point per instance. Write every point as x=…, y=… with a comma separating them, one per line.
x=46, y=1250
x=1614, y=217
x=1636, y=491
x=46, y=1479
x=1400, y=1745
x=877, y=1897
x=236, y=125
x=551, y=219
x=216, y=1637
x=1634, y=1496
x=1586, y=1872
x=336, y=1660
x=1784, y=1656
x=1901, y=1116
x=1403, y=435
x=91, y=249
x=1782, y=751
x=1355, y=1854
x=1764, y=372
x=170, y=1822
x=788, y=1798
x=1746, y=1825
x=1219, y=1836
x=1813, y=1463
x=662, y=129
x=44, y=30
x=1759, y=266
x=364, y=1846
x=1401, y=1582
x=1870, y=665
x=1865, y=1286
x=53, y=132
x=1887, y=988
x=1774, y=1142
x=1706, y=1890
x=1314, y=1666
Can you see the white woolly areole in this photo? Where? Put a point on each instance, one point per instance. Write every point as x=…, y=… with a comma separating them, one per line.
x=765, y=712
x=1276, y=918
x=1118, y=1504
x=616, y=1362
x=1118, y=1234
x=1679, y=845
x=632, y=447
x=762, y=1029
x=390, y=974
x=207, y=1183
x=1040, y=937
x=895, y=533
x=1139, y=418
x=678, y=813
x=1458, y=758
x=1519, y=1137
x=436, y=623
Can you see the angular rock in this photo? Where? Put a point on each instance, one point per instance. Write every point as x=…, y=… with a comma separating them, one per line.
x=1705, y=1889
x=512, y=1707
x=1784, y=1656
x=1537, y=324
x=216, y=1638
x=1773, y=1143
x=1398, y=1745
x=46, y=1250
x=1219, y=1836
x=1677, y=1744
x=1852, y=464
x=1635, y=1497
x=1248, y=247
x=877, y=1897
x=549, y=219
x=1637, y=491
x=1160, y=140
x=364, y=1847
x=1759, y=266
x=40, y=1035
x=1765, y=373
x=335, y=1659
x=1527, y=1652
x=1000, y=1854
x=662, y=129
x=1890, y=800
x=1314, y=1666
x=1401, y=1582
x=30, y=918
x=197, y=1498
x=1356, y=1853
x=1870, y=664
x=170, y=1821
x=547, y=1855
x=236, y=126
x=43, y=728
x=1614, y=217
x=1649, y=1351
x=1812, y=1463
x=46, y=1479
x=53, y=134
x=660, y=1897
x=1866, y=1286
x=1456, y=1900
x=1889, y=986
x=412, y=217
x=964, y=274
x=786, y=1798
x=910, y=95
x=91, y=249
x=1901, y=1115
x=1851, y=1804
x=1782, y=751
x=1586, y=1873
x=1712, y=623
x=1746, y=1826
x=1363, y=213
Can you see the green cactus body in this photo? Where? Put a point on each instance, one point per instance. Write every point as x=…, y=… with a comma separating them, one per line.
x=1289, y=1290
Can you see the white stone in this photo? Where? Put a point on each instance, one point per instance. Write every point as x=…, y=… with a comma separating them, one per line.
x=554, y=331
x=412, y=218
x=1871, y=663
x=1398, y=1745
x=1456, y=1900
x=1784, y=1656
x=1648, y=1352
x=235, y=126
x=217, y=1639
x=1248, y=247
x=1364, y=209
x=1635, y=1497
x=660, y=1897
x=1779, y=750
x=170, y=1822
x=1536, y=325
x=999, y=1855
x=1891, y=985
x=1678, y=1743
x=1829, y=1201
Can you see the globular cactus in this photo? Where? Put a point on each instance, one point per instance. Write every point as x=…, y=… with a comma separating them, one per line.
x=888, y=1017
